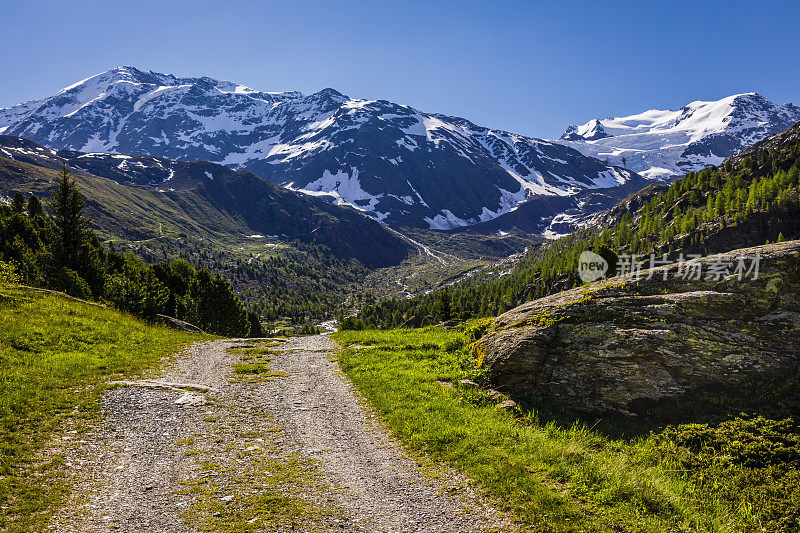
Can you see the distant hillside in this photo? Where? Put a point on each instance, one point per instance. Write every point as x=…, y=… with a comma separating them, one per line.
x=140, y=197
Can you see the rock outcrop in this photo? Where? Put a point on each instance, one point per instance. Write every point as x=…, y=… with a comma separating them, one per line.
x=624, y=344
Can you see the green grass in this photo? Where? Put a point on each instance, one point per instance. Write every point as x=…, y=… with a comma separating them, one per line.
x=255, y=363
x=264, y=491
x=552, y=476
x=55, y=357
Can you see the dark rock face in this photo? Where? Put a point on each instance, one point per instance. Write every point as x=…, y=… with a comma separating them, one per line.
x=594, y=130
x=536, y=214
x=622, y=345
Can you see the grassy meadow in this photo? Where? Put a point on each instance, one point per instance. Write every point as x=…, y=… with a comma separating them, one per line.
x=56, y=355
x=558, y=473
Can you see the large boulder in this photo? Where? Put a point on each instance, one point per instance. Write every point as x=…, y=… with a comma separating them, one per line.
x=624, y=344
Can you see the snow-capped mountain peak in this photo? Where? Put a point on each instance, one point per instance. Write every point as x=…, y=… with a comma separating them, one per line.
x=590, y=131
x=662, y=144
x=394, y=162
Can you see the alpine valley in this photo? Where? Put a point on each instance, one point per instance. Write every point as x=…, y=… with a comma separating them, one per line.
x=511, y=391
x=199, y=158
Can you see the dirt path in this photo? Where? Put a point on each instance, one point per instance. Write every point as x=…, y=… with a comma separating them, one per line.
x=290, y=450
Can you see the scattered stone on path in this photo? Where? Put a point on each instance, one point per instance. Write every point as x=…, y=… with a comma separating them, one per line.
x=190, y=399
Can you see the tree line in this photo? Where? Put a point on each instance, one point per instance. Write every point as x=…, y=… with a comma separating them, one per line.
x=53, y=246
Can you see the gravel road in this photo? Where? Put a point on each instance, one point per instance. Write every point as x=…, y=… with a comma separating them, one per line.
x=191, y=449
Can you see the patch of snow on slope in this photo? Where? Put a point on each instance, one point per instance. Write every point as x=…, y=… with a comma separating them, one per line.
x=419, y=197
x=552, y=229
x=292, y=151
x=155, y=93
x=445, y=221
x=346, y=188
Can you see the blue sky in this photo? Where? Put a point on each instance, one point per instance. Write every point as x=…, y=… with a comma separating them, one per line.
x=527, y=67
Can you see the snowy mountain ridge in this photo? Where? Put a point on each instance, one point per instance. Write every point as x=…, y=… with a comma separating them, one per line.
x=398, y=164
x=663, y=144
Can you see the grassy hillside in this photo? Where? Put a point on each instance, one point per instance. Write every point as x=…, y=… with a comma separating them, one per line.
x=56, y=355
x=280, y=278
x=201, y=199
x=120, y=212
x=557, y=473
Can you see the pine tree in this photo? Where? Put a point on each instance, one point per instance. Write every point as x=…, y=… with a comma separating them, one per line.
x=443, y=305
x=34, y=206
x=72, y=228
x=255, y=325
x=18, y=203
x=218, y=309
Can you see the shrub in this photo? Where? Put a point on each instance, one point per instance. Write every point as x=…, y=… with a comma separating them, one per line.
x=476, y=329
x=352, y=323
x=8, y=273
x=69, y=281
x=749, y=463
x=218, y=309
x=137, y=289
x=453, y=345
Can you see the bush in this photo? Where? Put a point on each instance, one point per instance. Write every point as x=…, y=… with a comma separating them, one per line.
x=255, y=325
x=453, y=345
x=69, y=281
x=137, y=289
x=8, y=273
x=218, y=309
x=753, y=443
x=746, y=462
x=352, y=323
x=477, y=328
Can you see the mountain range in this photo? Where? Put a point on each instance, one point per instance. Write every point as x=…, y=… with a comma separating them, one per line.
x=664, y=144
x=399, y=165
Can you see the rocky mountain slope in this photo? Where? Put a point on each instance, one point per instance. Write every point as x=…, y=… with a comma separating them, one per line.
x=141, y=197
x=627, y=344
x=663, y=144
x=396, y=163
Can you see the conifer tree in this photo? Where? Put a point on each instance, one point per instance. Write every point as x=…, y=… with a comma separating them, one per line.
x=72, y=227
x=18, y=203
x=443, y=305
x=34, y=206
